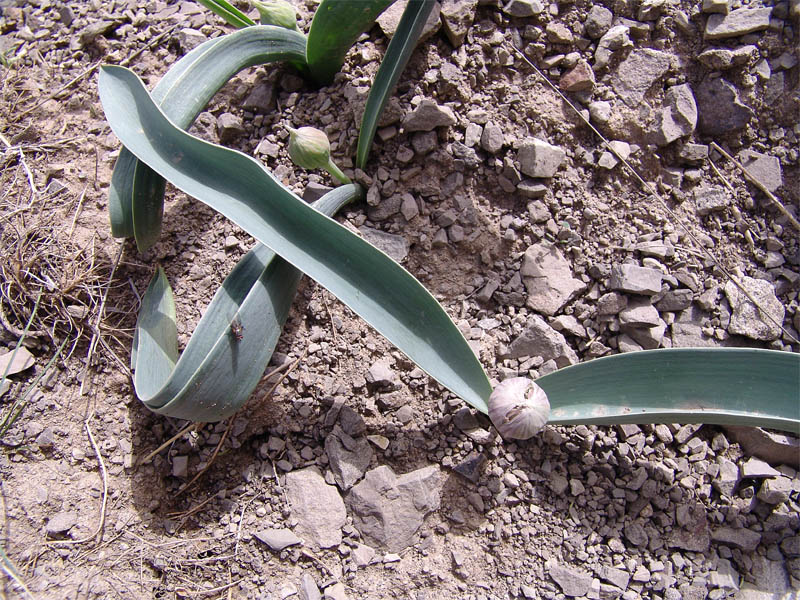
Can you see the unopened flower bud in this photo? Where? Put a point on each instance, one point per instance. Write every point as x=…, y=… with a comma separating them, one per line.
x=277, y=12
x=518, y=408
x=309, y=148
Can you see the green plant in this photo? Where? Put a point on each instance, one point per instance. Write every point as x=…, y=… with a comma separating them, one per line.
x=230, y=349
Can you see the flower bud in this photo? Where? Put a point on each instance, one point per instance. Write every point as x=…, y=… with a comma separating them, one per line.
x=309, y=148
x=277, y=12
x=518, y=408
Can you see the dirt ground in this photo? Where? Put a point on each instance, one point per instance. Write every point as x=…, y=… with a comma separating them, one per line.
x=90, y=512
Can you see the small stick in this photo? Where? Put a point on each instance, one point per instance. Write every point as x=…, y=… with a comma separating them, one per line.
x=759, y=185
x=99, y=530
x=210, y=460
x=188, y=429
x=652, y=192
x=722, y=177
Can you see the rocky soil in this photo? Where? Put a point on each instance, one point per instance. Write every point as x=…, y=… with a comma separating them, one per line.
x=359, y=477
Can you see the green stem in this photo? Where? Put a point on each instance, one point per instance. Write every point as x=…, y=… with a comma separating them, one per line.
x=336, y=172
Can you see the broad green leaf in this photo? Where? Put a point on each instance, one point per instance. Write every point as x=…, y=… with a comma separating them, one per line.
x=394, y=62
x=336, y=26
x=221, y=364
x=727, y=386
x=231, y=14
x=369, y=282
x=183, y=93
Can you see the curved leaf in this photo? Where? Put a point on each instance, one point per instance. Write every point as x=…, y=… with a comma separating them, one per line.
x=394, y=62
x=727, y=386
x=336, y=26
x=231, y=14
x=361, y=276
x=183, y=93
x=233, y=342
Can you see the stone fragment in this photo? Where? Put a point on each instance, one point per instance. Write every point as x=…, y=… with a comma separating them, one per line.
x=523, y=8
x=746, y=318
x=579, y=78
x=710, y=199
x=363, y=555
x=739, y=22
x=381, y=375
x=548, y=278
x=693, y=154
x=635, y=75
x=278, y=539
x=719, y=109
x=635, y=534
x=754, y=468
x=389, y=19
x=337, y=591
x=650, y=10
x=349, y=457
x=689, y=335
x=530, y=188
x=615, y=576
x=261, y=98
x=573, y=582
x=537, y=158
x=675, y=300
x=775, y=448
x=635, y=279
x=424, y=142
x=678, y=118
x=609, y=160
x=725, y=577
x=692, y=531
x=396, y=246
x=16, y=363
x=716, y=6
x=569, y=324
x=775, y=490
x=612, y=40
x=180, y=466
x=728, y=477
x=229, y=127
x=61, y=523
x=308, y=588
x=470, y=468
x=744, y=539
x=639, y=313
x=492, y=139
x=389, y=510
x=317, y=506
x=611, y=303
x=539, y=339
x=457, y=18
x=764, y=168
x=428, y=115
x=598, y=21
x=791, y=546
x=721, y=59
x=558, y=33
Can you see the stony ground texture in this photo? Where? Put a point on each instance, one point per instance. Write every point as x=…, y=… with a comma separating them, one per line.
x=358, y=477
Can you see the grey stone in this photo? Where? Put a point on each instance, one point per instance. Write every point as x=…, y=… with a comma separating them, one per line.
x=492, y=139
x=775, y=448
x=470, y=468
x=764, y=168
x=349, y=457
x=308, y=588
x=278, y=539
x=689, y=335
x=679, y=115
x=691, y=533
x=754, y=468
x=579, y=78
x=548, y=279
x=389, y=510
x=457, y=18
x=12, y=363
x=93, y=30
x=721, y=59
x=635, y=534
x=716, y=6
x=725, y=577
x=611, y=303
x=180, y=466
x=600, y=111
x=537, y=158
x=317, y=506
x=612, y=40
x=352, y=422
x=719, y=109
x=539, y=339
x=523, y=8
x=744, y=539
x=791, y=546
x=609, y=159
x=728, y=477
x=337, y=591
x=396, y=246
x=618, y=577
x=710, y=199
x=635, y=279
x=389, y=19
x=381, y=375
x=639, y=313
x=569, y=324
x=776, y=490
x=229, y=127
x=650, y=10
x=533, y=189
x=424, y=142
x=428, y=116
x=573, y=582
x=472, y=135
x=61, y=523
x=598, y=21
x=363, y=555
x=737, y=23
x=635, y=75
x=746, y=318
x=693, y=154
x=675, y=300
x=261, y=98
x=770, y=581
